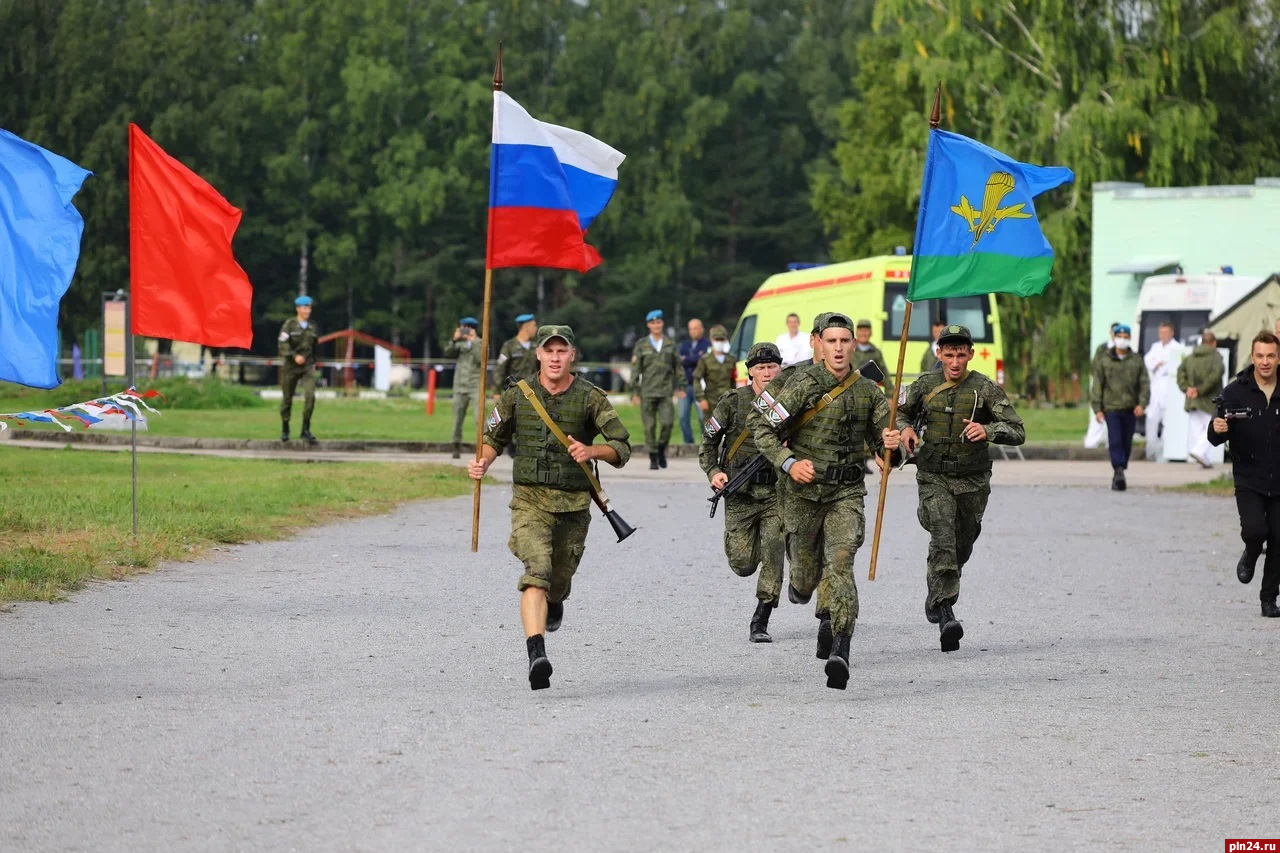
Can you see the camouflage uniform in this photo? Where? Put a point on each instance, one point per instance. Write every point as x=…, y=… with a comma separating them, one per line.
x=1202, y=370
x=551, y=496
x=719, y=372
x=466, y=380
x=954, y=476
x=296, y=340
x=872, y=353
x=824, y=519
x=655, y=376
x=516, y=361
x=752, y=525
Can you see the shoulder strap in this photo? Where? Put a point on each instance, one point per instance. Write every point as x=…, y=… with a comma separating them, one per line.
x=527, y=391
x=827, y=399
x=737, y=443
x=946, y=386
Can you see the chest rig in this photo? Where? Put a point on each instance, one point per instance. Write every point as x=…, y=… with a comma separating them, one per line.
x=541, y=460
x=944, y=450
x=834, y=438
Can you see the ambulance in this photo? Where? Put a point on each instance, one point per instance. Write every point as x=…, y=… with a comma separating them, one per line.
x=874, y=289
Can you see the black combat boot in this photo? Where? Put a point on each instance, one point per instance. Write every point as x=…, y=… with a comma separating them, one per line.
x=1269, y=609
x=653, y=462
x=931, y=613
x=662, y=456
x=284, y=430
x=1117, y=480
x=824, y=637
x=760, y=623
x=306, y=435
x=555, y=615
x=457, y=450
x=838, y=663
x=1248, y=562
x=949, y=628
x=539, y=666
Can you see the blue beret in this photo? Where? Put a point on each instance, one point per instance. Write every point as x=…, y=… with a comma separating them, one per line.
x=653, y=315
x=523, y=318
x=468, y=321
x=1123, y=328
x=302, y=300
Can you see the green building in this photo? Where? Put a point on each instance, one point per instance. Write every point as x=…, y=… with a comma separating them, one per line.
x=1140, y=231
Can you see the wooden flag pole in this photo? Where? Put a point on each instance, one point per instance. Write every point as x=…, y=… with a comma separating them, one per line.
x=484, y=341
x=935, y=118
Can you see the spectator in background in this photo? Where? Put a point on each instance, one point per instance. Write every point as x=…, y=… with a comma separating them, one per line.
x=716, y=373
x=794, y=346
x=930, y=360
x=1162, y=361
x=1096, y=435
x=1200, y=376
x=865, y=351
x=690, y=351
x=1120, y=393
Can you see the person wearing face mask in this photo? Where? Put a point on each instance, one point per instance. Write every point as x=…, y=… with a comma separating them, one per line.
x=716, y=373
x=1120, y=393
x=1096, y=435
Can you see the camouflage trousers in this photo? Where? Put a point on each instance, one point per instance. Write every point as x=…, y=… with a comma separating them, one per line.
x=550, y=545
x=753, y=538
x=951, y=509
x=824, y=537
x=822, y=605
x=291, y=376
x=461, y=400
x=658, y=415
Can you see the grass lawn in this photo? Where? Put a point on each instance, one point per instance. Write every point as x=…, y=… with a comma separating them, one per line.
x=403, y=419
x=67, y=516
x=1221, y=486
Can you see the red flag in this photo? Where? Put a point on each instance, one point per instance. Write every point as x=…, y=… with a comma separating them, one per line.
x=186, y=284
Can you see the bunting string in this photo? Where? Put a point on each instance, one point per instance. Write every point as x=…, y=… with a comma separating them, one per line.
x=129, y=403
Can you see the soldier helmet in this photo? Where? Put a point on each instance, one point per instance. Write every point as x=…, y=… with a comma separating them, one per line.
x=719, y=333
x=954, y=334
x=763, y=353
x=546, y=333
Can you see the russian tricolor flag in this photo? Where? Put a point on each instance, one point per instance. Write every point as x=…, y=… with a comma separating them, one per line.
x=547, y=184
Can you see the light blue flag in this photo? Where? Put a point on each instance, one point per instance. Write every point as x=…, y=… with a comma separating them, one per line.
x=39, y=246
x=977, y=231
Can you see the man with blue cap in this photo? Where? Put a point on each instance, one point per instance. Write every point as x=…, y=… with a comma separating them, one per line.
x=656, y=375
x=1120, y=393
x=518, y=359
x=298, y=364
x=466, y=347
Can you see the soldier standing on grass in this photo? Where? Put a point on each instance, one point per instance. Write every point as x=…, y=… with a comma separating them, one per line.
x=655, y=376
x=963, y=411
x=716, y=372
x=835, y=410
x=752, y=525
x=465, y=347
x=516, y=359
x=298, y=364
x=550, y=497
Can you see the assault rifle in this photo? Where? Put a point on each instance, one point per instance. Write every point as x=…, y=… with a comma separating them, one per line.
x=870, y=370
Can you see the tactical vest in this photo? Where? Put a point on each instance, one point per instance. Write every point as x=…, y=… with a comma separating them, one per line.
x=943, y=451
x=541, y=460
x=742, y=400
x=833, y=439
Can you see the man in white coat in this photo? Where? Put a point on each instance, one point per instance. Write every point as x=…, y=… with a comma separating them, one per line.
x=1162, y=362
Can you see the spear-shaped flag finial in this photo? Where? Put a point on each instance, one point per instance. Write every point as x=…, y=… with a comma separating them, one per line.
x=497, y=71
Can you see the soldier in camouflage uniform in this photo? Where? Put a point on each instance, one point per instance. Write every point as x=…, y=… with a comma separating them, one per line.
x=551, y=493
x=517, y=359
x=298, y=364
x=656, y=375
x=1119, y=395
x=868, y=351
x=823, y=512
x=716, y=373
x=963, y=412
x=752, y=526
x=466, y=347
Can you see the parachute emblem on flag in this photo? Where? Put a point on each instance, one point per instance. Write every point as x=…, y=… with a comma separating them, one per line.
x=984, y=221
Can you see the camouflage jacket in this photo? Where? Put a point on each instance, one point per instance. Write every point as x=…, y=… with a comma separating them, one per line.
x=655, y=373
x=721, y=431
x=1119, y=384
x=978, y=399
x=719, y=376
x=515, y=362
x=295, y=340
x=861, y=356
x=1202, y=370
x=466, y=374
x=502, y=425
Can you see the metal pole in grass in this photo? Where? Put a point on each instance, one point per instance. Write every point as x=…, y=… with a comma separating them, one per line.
x=133, y=423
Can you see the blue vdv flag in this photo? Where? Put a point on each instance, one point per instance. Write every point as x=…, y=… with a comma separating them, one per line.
x=39, y=246
x=977, y=230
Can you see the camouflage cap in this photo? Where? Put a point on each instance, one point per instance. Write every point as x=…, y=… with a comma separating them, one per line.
x=954, y=334
x=832, y=320
x=763, y=353
x=819, y=322
x=546, y=333
x=864, y=324
x=719, y=333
